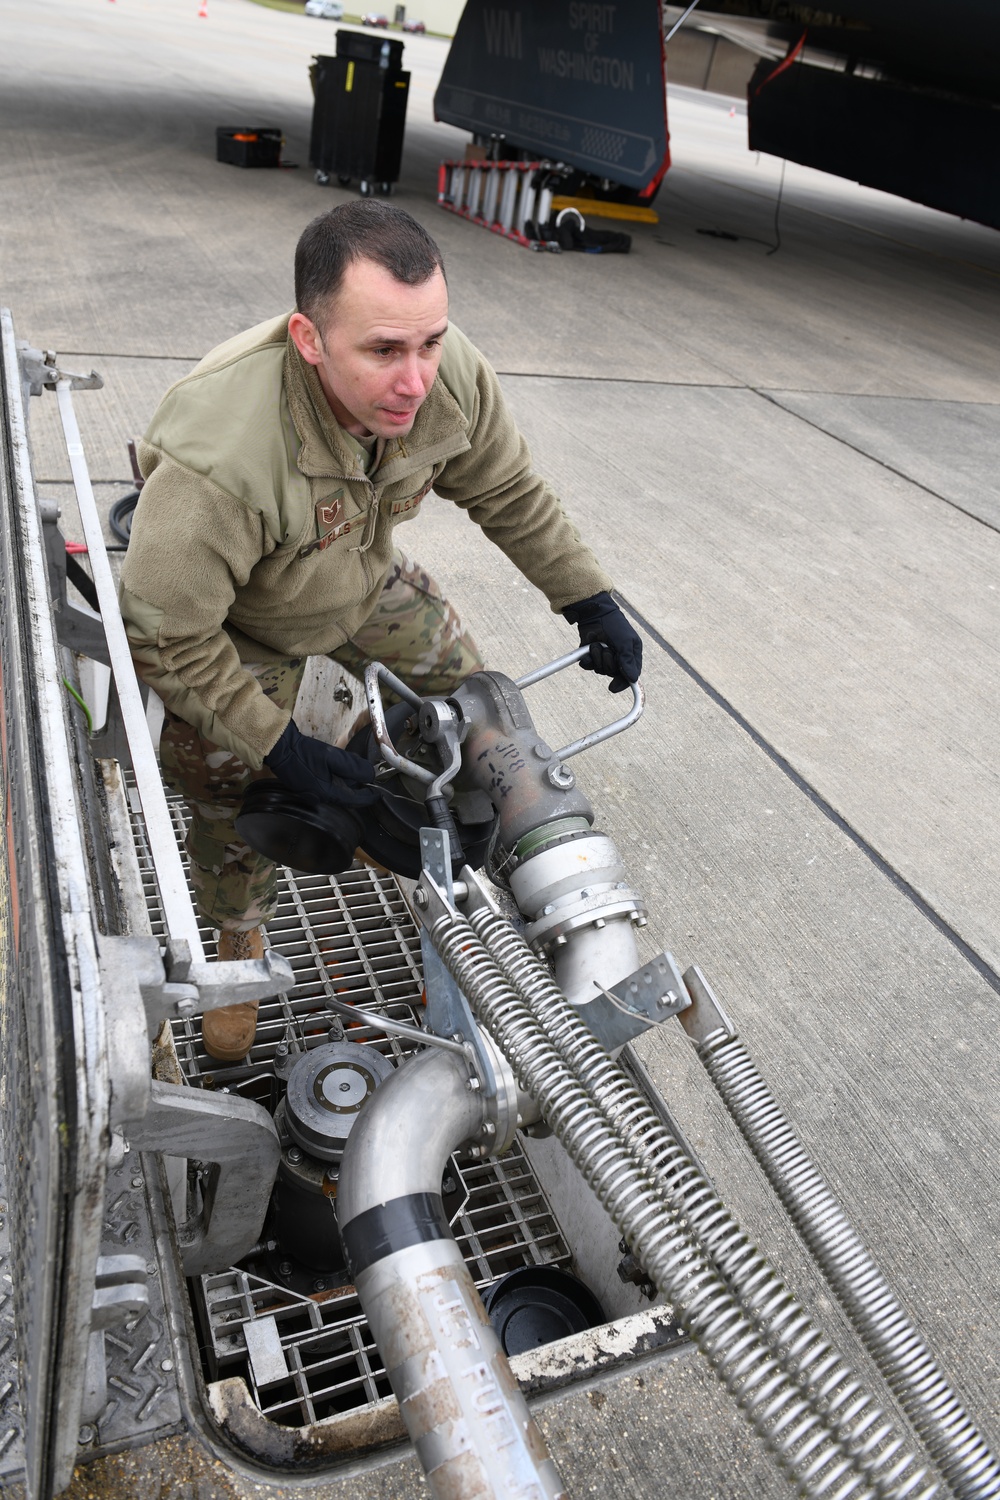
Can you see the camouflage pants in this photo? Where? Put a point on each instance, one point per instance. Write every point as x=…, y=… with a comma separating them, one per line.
x=413, y=630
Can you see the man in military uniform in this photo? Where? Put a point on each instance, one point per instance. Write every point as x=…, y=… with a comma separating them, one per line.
x=276, y=475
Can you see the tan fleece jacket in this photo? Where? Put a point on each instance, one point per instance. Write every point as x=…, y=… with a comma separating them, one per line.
x=259, y=536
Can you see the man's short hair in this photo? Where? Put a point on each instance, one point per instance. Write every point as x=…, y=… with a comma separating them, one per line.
x=364, y=229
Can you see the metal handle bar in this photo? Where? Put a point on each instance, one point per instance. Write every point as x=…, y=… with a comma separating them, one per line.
x=392, y=1027
x=451, y=770
x=596, y=736
x=376, y=672
x=373, y=673
x=178, y=912
x=553, y=667
x=435, y=781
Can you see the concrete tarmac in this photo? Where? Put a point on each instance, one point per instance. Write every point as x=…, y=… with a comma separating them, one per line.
x=784, y=447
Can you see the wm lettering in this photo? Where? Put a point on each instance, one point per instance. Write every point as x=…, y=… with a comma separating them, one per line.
x=503, y=33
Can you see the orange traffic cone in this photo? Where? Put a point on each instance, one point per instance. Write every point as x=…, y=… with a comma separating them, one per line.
x=203, y=10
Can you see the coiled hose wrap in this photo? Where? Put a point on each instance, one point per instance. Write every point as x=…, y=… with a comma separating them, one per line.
x=910, y=1370
x=807, y=1354
x=826, y=1434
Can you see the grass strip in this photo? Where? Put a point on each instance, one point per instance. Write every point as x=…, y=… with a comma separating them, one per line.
x=297, y=7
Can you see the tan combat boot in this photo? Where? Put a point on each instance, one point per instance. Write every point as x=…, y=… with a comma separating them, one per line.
x=229, y=1033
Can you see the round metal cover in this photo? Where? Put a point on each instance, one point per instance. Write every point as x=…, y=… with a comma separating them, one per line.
x=537, y=1305
x=326, y=1089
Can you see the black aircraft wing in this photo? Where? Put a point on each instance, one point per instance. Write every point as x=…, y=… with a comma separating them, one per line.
x=902, y=95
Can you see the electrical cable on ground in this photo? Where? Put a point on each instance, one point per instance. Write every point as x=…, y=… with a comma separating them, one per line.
x=777, y=210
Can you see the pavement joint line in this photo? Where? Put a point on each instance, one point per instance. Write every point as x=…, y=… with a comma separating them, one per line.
x=742, y=385
x=883, y=463
x=788, y=390
x=686, y=385
x=898, y=881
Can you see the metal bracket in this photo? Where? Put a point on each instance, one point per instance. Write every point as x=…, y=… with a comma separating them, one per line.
x=173, y=986
x=82, y=630
x=227, y=983
x=40, y=371
x=448, y=1011
x=706, y=1018
x=77, y=625
x=652, y=994
x=234, y=1136
x=238, y=1138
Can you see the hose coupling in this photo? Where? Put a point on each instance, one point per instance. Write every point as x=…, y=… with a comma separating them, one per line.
x=572, y=886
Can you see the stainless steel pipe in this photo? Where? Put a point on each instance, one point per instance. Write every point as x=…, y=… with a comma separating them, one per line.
x=463, y=1409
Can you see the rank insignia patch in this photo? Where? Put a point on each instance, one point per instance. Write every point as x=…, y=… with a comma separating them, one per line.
x=328, y=513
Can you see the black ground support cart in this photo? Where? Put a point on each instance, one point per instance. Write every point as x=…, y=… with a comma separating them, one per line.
x=359, y=113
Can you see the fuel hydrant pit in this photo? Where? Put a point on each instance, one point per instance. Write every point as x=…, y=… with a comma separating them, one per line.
x=306, y=1353
x=303, y=1352
x=286, y=1324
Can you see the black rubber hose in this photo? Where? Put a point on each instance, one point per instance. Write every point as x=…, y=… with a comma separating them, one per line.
x=442, y=817
x=120, y=515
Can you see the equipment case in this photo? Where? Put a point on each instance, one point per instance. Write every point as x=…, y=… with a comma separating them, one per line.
x=359, y=114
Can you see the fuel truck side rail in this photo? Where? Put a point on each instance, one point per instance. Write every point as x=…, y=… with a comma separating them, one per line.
x=80, y=1005
x=59, y=1088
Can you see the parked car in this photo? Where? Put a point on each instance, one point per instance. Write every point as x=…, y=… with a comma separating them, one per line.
x=328, y=10
x=371, y=19
x=417, y=26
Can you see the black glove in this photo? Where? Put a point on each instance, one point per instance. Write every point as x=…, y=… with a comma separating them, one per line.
x=615, y=648
x=320, y=770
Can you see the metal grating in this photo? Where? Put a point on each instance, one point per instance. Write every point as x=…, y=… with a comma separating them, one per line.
x=306, y=1357
x=349, y=937
x=310, y=1357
